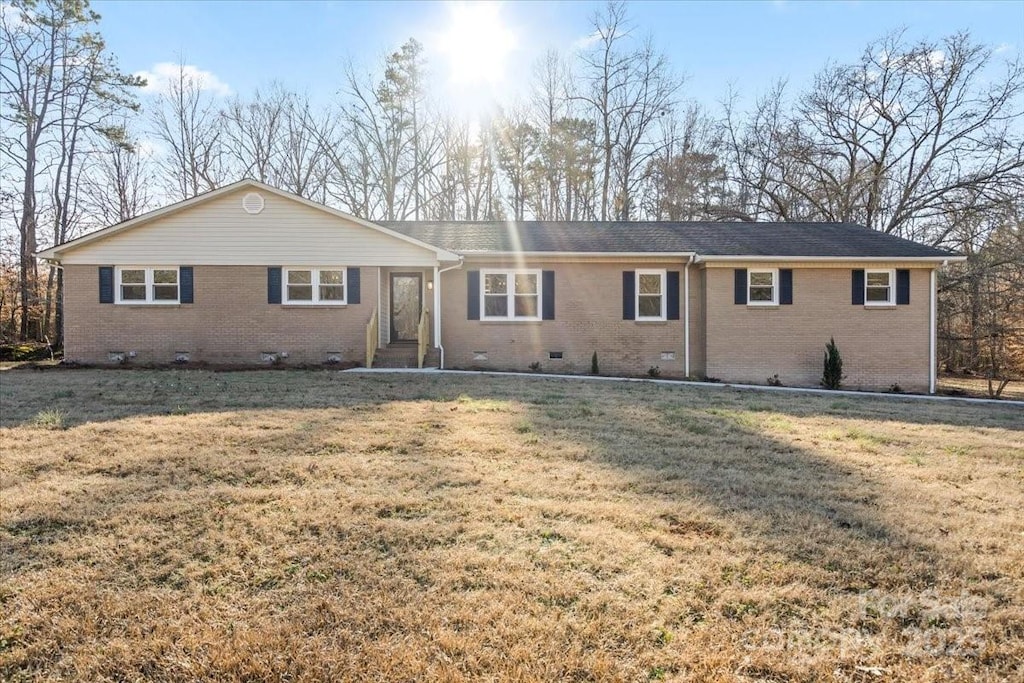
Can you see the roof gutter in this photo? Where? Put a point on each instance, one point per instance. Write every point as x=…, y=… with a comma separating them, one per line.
x=437, y=309
x=827, y=259
x=590, y=254
x=686, y=316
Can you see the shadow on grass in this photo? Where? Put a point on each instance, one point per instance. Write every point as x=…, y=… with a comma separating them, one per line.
x=78, y=396
x=694, y=469
x=670, y=444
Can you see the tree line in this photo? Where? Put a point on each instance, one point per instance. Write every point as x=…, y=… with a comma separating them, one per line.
x=920, y=139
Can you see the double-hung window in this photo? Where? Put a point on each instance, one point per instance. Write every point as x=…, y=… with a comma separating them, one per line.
x=511, y=294
x=139, y=285
x=762, y=287
x=879, y=287
x=314, y=286
x=650, y=295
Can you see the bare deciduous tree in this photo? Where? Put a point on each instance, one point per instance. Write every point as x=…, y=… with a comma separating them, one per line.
x=628, y=91
x=187, y=123
x=59, y=88
x=888, y=141
x=119, y=186
x=253, y=131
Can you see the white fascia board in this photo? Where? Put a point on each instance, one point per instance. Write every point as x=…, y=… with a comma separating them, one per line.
x=826, y=259
x=587, y=254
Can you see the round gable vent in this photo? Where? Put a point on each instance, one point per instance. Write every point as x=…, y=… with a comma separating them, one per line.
x=252, y=203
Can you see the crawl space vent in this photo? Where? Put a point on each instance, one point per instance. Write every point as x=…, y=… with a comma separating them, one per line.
x=252, y=203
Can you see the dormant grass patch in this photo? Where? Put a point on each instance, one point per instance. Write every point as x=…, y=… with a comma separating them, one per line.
x=186, y=525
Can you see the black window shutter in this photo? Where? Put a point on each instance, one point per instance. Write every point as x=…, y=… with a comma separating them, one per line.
x=629, y=295
x=903, y=287
x=786, y=286
x=472, y=295
x=274, y=285
x=857, y=288
x=672, y=284
x=739, y=288
x=548, y=285
x=186, y=284
x=352, y=278
x=106, y=284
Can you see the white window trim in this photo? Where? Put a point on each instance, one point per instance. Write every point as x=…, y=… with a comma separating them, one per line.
x=315, y=284
x=775, y=286
x=663, y=274
x=149, y=300
x=510, y=294
x=891, y=301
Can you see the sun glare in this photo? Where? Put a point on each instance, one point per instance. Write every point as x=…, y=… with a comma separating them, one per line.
x=476, y=43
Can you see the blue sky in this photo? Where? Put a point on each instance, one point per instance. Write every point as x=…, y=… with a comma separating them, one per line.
x=748, y=44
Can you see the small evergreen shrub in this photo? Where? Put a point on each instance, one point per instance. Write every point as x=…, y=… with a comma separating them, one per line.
x=535, y=366
x=832, y=376
x=654, y=371
x=774, y=381
x=594, y=369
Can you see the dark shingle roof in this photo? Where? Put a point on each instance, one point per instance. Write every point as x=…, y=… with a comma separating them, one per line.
x=704, y=238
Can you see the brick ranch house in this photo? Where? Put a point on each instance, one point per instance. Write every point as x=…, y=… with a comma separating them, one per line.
x=249, y=273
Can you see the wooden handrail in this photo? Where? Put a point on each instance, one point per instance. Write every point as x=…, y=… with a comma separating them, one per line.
x=372, y=338
x=422, y=338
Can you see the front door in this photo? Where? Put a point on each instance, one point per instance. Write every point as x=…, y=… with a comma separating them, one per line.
x=406, y=300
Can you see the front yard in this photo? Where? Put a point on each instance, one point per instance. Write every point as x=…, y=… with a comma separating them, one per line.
x=313, y=525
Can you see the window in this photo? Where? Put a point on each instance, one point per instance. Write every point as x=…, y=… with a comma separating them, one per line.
x=650, y=295
x=511, y=295
x=878, y=287
x=314, y=286
x=137, y=285
x=165, y=284
x=762, y=289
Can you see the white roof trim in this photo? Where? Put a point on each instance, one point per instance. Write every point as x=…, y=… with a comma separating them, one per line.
x=589, y=254
x=54, y=253
x=825, y=259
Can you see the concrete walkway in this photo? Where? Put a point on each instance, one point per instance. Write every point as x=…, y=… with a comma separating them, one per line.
x=704, y=385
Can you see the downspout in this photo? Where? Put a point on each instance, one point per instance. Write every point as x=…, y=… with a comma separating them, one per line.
x=380, y=313
x=932, y=305
x=437, y=307
x=686, y=317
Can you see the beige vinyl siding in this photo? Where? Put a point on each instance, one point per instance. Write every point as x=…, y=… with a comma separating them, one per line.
x=220, y=232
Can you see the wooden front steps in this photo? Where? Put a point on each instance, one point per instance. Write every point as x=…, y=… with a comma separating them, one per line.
x=403, y=355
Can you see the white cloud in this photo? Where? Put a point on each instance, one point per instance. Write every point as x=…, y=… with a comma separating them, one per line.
x=12, y=16
x=1003, y=47
x=149, y=148
x=587, y=41
x=160, y=77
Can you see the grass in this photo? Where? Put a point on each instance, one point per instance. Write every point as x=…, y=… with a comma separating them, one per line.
x=187, y=525
x=965, y=385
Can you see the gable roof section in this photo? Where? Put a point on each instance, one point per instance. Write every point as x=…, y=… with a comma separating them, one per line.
x=707, y=239
x=55, y=253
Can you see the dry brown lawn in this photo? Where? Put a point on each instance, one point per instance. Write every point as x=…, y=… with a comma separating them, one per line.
x=301, y=526
x=978, y=387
